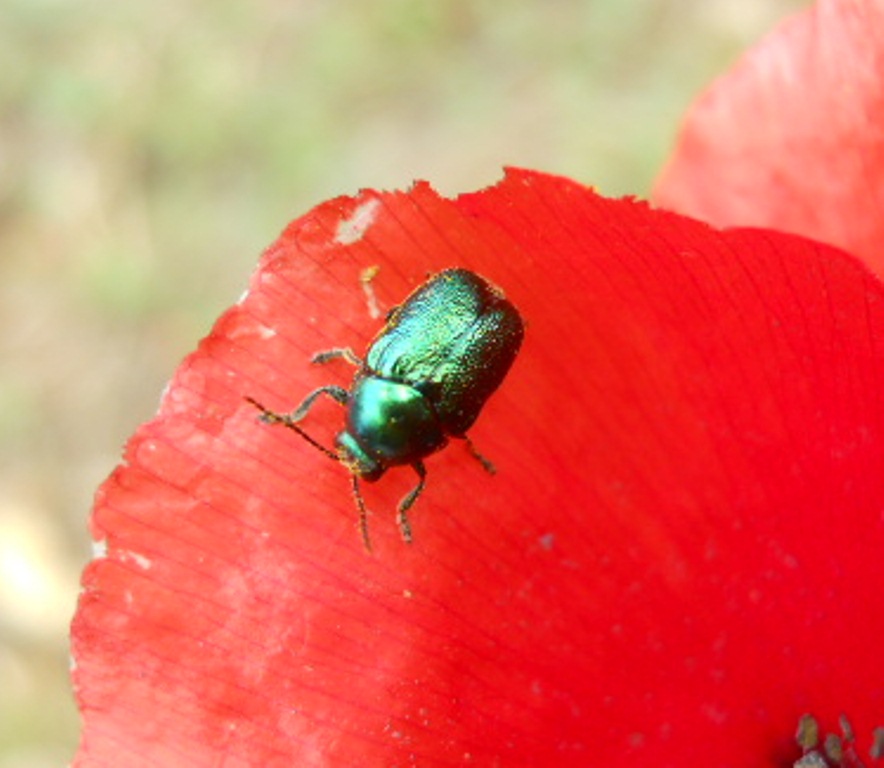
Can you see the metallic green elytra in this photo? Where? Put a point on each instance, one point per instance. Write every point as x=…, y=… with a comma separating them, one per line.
x=424, y=379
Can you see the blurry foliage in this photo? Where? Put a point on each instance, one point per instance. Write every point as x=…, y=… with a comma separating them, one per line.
x=149, y=151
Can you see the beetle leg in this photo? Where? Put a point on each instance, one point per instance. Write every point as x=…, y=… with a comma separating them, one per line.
x=346, y=353
x=336, y=393
x=363, y=512
x=485, y=462
x=405, y=504
x=287, y=420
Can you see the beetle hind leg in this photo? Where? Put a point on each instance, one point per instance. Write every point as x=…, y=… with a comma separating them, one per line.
x=486, y=463
x=406, y=503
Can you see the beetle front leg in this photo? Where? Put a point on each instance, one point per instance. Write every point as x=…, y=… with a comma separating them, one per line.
x=320, y=358
x=336, y=393
x=405, y=504
x=288, y=420
x=363, y=512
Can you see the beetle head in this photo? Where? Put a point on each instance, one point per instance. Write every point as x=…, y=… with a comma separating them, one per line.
x=354, y=457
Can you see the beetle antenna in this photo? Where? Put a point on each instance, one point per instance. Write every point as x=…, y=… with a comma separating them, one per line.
x=271, y=417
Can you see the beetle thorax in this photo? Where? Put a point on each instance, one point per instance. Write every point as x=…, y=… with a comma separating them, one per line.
x=388, y=423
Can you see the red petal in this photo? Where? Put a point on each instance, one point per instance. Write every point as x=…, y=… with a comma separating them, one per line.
x=791, y=138
x=680, y=555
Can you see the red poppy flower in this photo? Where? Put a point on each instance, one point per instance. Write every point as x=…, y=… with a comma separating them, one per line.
x=791, y=137
x=679, y=557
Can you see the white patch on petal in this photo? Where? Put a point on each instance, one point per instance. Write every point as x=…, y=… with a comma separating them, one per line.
x=99, y=549
x=353, y=229
x=140, y=560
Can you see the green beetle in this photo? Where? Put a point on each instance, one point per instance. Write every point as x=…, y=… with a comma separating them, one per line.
x=424, y=379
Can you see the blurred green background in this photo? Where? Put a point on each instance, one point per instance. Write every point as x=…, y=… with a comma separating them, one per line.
x=149, y=152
